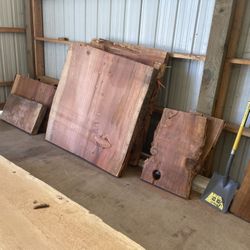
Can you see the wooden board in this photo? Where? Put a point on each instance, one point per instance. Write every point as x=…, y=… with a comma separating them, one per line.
x=97, y=105
x=241, y=203
x=215, y=127
x=33, y=90
x=176, y=150
x=62, y=225
x=149, y=56
x=23, y=113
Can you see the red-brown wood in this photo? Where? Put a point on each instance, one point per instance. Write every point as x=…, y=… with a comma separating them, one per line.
x=23, y=113
x=97, y=104
x=33, y=90
x=176, y=150
x=241, y=203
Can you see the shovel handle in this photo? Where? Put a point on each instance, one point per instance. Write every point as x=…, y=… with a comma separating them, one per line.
x=242, y=125
x=236, y=142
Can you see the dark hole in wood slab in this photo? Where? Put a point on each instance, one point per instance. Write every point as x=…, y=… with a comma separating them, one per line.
x=156, y=174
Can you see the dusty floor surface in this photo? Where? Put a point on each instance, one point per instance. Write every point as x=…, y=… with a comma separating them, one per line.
x=152, y=217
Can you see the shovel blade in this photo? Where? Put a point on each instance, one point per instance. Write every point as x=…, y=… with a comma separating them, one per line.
x=220, y=192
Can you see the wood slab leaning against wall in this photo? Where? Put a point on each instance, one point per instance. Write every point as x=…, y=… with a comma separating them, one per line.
x=23, y=113
x=97, y=105
x=176, y=151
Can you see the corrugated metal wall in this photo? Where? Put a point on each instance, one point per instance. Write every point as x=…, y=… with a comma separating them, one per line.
x=172, y=25
x=12, y=46
x=237, y=98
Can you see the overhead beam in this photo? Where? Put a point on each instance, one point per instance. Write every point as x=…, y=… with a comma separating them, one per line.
x=5, y=83
x=215, y=55
x=240, y=61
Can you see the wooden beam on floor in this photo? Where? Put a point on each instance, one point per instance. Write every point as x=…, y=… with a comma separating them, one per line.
x=12, y=30
x=37, y=14
x=231, y=52
x=215, y=55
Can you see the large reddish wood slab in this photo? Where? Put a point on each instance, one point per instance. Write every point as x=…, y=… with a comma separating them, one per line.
x=241, y=203
x=97, y=104
x=33, y=90
x=176, y=150
x=23, y=113
x=149, y=56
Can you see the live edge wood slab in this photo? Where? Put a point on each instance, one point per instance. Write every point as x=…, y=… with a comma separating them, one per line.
x=97, y=105
x=33, y=90
x=176, y=151
x=60, y=224
x=241, y=203
x=149, y=56
x=23, y=113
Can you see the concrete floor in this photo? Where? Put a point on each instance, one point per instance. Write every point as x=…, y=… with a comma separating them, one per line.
x=152, y=217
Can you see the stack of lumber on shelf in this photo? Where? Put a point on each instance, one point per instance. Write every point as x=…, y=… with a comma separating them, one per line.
x=97, y=106
x=28, y=104
x=241, y=203
x=60, y=223
x=181, y=144
x=149, y=56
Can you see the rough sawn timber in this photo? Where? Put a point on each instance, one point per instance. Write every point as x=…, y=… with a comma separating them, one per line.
x=241, y=203
x=33, y=90
x=23, y=113
x=62, y=225
x=148, y=56
x=176, y=151
x=97, y=105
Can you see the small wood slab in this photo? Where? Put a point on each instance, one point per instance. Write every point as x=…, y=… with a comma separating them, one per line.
x=23, y=113
x=176, y=150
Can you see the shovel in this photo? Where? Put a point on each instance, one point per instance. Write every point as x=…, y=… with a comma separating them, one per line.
x=221, y=189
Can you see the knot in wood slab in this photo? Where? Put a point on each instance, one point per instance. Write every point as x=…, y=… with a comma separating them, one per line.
x=102, y=141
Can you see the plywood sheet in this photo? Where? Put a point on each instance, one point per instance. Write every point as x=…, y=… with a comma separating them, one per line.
x=241, y=203
x=62, y=225
x=23, y=113
x=97, y=105
x=33, y=90
x=176, y=150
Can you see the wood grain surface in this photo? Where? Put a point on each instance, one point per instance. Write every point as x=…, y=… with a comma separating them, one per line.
x=23, y=113
x=97, y=105
x=63, y=224
x=149, y=56
x=241, y=203
x=176, y=150
x=33, y=90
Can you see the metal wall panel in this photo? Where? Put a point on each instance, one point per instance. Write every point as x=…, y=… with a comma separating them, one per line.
x=12, y=46
x=172, y=25
x=237, y=98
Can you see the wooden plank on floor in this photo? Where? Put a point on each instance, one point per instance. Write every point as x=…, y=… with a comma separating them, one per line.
x=241, y=203
x=33, y=90
x=176, y=150
x=62, y=225
x=23, y=113
x=97, y=104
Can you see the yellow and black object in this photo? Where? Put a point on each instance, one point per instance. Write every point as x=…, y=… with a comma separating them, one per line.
x=221, y=189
